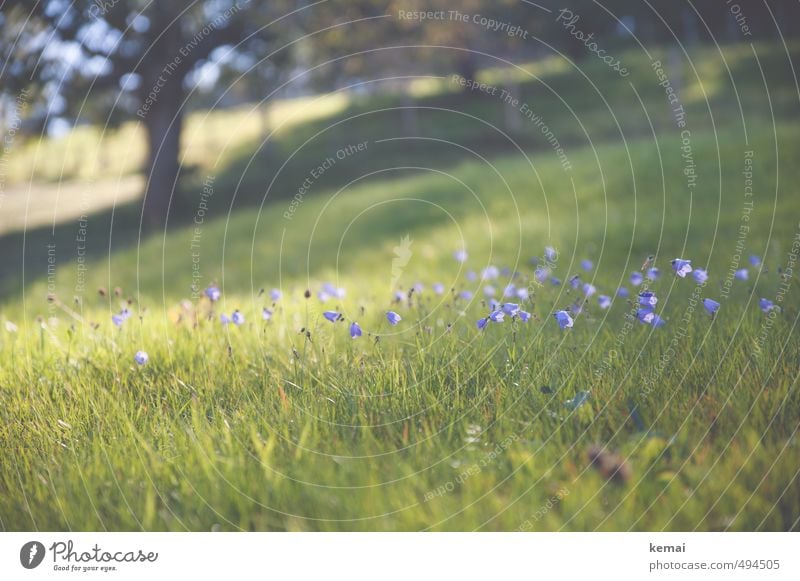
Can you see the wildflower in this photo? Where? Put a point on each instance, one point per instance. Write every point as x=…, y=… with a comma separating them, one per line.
x=524, y=316
x=541, y=273
x=497, y=316
x=275, y=294
x=550, y=254
x=117, y=319
x=332, y=316
x=141, y=357
x=587, y=265
x=266, y=314
x=489, y=291
x=510, y=308
x=604, y=301
x=438, y=288
x=418, y=287
x=11, y=327
x=575, y=281
x=460, y=255
x=653, y=273
x=623, y=292
x=213, y=293
x=490, y=273
x=355, y=330
x=658, y=321
x=563, y=318
x=399, y=296
x=522, y=293
x=393, y=317
x=482, y=322
x=636, y=278
x=589, y=289
x=711, y=306
x=509, y=291
x=466, y=295
x=682, y=267
x=700, y=275
x=755, y=260
x=555, y=281
x=645, y=315
x=224, y=319
x=576, y=309
x=472, y=276
x=494, y=304
x=742, y=274
x=323, y=296
x=237, y=318
x=766, y=305
x=648, y=299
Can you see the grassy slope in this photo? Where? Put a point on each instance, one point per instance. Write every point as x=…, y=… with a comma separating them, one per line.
x=255, y=428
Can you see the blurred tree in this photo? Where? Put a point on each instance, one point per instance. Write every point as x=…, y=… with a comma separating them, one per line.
x=108, y=60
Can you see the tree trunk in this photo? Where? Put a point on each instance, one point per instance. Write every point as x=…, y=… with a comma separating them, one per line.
x=163, y=124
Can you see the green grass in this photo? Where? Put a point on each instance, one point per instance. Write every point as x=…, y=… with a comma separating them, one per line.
x=436, y=425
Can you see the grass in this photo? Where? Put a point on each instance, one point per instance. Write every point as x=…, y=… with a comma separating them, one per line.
x=433, y=425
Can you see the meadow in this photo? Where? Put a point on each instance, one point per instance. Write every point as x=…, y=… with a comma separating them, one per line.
x=257, y=409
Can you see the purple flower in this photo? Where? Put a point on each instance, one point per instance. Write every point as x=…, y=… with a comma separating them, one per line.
x=711, y=306
x=266, y=314
x=460, y=255
x=524, y=316
x=510, y=308
x=589, y=289
x=522, y=293
x=636, y=278
x=490, y=273
x=438, y=288
x=355, y=330
x=393, y=317
x=494, y=304
x=120, y=318
x=555, y=281
x=237, y=318
x=766, y=305
x=497, y=316
x=604, y=301
x=645, y=315
x=587, y=265
x=576, y=309
x=213, y=293
x=563, y=318
x=466, y=295
x=224, y=319
x=541, y=273
x=575, y=281
x=141, y=357
x=648, y=299
x=658, y=321
x=275, y=294
x=471, y=276
x=323, y=296
x=332, y=316
x=682, y=267
x=418, y=287
x=652, y=273
x=742, y=274
x=550, y=254
x=489, y=291
x=700, y=275
x=399, y=296
x=509, y=291
x=623, y=292
x=755, y=260
x=482, y=322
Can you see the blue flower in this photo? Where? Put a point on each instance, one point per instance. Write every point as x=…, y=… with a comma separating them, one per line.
x=658, y=321
x=490, y=273
x=141, y=357
x=711, y=305
x=266, y=314
x=120, y=318
x=623, y=292
x=237, y=318
x=355, y=330
x=438, y=288
x=555, y=281
x=587, y=265
x=393, y=317
x=604, y=301
x=509, y=291
x=399, y=296
x=482, y=322
x=742, y=274
x=645, y=315
x=522, y=293
x=636, y=278
x=589, y=289
x=550, y=254
x=652, y=273
x=700, y=275
x=563, y=318
x=224, y=319
x=489, y=291
x=575, y=281
x=648, y=299
x=510, y=308
x=497, y=316
x=460, y=255
x=766, y=305
x=494, y=304
x=213, y=293
x=541, y=273
x=471, y=276
x=332, y=316
x=524, y=316
x=275, y=294
x=466, y=295
x=755, y=260
x=682, y=267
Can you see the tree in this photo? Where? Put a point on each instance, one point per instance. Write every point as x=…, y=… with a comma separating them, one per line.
x=109, y=60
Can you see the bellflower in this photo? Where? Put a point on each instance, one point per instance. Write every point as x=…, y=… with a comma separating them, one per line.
x=141, y=357
x=563, y=318
x=355, y=330
x=332, y=316
x=682, y=267
x=700, y=276
x=393, y=317
x=711, y=306
x=604, y=301
x=742, y=274
x=636, y=278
